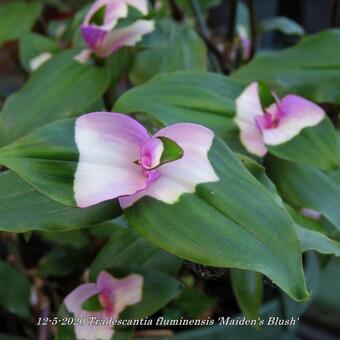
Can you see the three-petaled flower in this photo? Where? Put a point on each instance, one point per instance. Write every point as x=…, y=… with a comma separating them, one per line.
x=112, y=296
x=277, y=124
x=102, y=31
x=119, y=159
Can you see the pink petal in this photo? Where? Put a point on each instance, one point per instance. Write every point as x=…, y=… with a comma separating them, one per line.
x=248, y=107
x=180, y=176
x=127, y=36
x=115, y=10
x=109, y=144
x=93, y=36
x=77, y=297
x=151, y=153
x=297, y=114
x=128, y=292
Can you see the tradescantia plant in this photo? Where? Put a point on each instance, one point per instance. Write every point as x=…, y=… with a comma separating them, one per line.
x=128, y=187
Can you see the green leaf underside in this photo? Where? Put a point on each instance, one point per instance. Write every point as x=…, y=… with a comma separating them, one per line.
x=306, y=187
x=92, y=304
x=47, y=159
x=58, y=89
x=172, y=151
x=187, y=96
x=266, y=97
x=233, y=222
x=22, y=209
x=311, y=68
x=315, y=145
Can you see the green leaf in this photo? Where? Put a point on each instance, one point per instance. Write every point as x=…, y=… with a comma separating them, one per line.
x=172, y=151
x=22, y=209
x=193, y=302
x=283, y=25
x=60, y=88
x=32, y=45
x=227, y=223
x=188, y=96
x=16, y=18
x=248, y=290
x=126, y=248
x=315, y=240
x=47, y=159
x=92, y=304
x=171, y=47
x=315, y=145
x=15, y=291
x=306, y=187
x=58, y=263
x=266, y=97
x=310, y=68
x=312, y=235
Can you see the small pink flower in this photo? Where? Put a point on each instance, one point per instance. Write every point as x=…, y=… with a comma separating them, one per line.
x=119, y=159
x=113, y=295
x=279, y=123
x=105, y=38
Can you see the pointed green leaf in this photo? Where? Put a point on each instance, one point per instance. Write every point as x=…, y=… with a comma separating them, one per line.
x=228, y=223
x=248, y=290
x=92, y=304
x=170, y=47
x=172, y=151
x=303, y=186
x=15, y=291
x=311, y=68
x=58, y=89
x=315, y=145
x=33, y=45
x=266, y=97
x=283, y=25
x=188, y=96
x=22, y=208
x=16, y=18
x=47, y=159
x=125, y=248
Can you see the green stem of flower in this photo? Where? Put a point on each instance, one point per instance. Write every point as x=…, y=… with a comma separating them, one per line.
x=253, y=28
x=214, y=55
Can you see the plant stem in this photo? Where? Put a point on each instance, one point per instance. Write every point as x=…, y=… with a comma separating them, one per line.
x=253, y=33
x=230, y=38
x=214, y=54
x=176, y=11
x=335, y=10
x=283, y=310
x=232, y=21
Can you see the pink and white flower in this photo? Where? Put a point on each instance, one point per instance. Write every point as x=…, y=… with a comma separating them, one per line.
x=113, y=295
x=105, y=38
x=119, y=159
x=277, y=124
